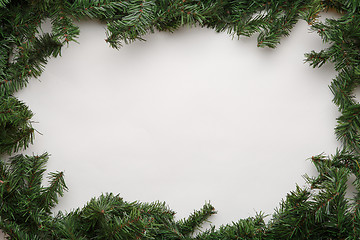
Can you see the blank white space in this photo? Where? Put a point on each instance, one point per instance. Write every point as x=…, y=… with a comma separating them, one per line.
x=184, y=118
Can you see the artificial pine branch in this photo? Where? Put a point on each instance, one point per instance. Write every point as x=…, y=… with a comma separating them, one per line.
x=49, y=195
x=136, y=23
x=348, y=127
x=63, y=27
x=249, y=228
x=16, y=131
x=20, y=210
x=4, y=2
x=195, y=220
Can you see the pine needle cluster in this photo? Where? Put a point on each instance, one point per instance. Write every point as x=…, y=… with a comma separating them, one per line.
x=321, y=210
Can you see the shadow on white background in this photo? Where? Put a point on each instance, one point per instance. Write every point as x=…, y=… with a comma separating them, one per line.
x=184, y=118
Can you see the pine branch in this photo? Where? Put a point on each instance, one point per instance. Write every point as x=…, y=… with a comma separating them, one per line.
x=16, y=131
x=109, y=217
x=14, y=231
x=104, y=10
x=342, y=87
x=355, y=218
x=66, y=227
x=317, y=59
x=310, y=12
x=28, y=62
x=19, y=205
x=291, y=219
x=136, y=22
x=348, y=128
x=63, y=28
x=249, y=228
x=329, y=203
x=49, y=195
x=195, y=220
x=343, y=35
x=3, y=3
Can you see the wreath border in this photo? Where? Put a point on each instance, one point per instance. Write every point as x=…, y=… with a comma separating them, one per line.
x=320, y=211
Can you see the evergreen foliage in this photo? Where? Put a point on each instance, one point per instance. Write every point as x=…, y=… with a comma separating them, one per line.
x=319, y=211
x=16, y=131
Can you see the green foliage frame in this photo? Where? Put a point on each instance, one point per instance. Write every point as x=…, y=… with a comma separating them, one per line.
x=318, y=211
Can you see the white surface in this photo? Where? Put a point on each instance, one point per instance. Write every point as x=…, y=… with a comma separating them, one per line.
x=184, y=118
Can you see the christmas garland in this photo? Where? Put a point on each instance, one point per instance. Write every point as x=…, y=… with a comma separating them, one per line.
x=318, y=211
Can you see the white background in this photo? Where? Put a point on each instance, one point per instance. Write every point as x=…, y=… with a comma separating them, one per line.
x=184, y=118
